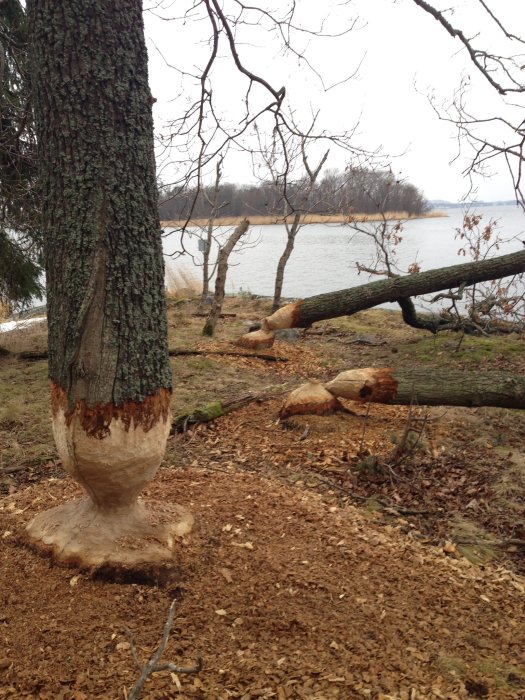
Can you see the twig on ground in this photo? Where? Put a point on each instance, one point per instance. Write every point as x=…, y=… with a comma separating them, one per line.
x=512, y=542
x=153, y=666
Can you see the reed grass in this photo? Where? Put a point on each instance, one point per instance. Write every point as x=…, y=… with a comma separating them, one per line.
x=259, y=220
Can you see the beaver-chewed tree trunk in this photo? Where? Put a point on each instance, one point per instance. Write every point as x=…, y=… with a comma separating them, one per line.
x=305, y=312
x=427, y=387
x=108, y=353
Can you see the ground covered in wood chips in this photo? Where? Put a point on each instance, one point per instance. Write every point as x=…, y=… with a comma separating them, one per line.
x=334, y=557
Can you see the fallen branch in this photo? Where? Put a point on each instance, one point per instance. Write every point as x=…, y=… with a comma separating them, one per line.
x=14, y=469
x=32, y=355
x=153, y=665
x=217, y=409
x=233, y=353
x=42, y=354
x=511, y=542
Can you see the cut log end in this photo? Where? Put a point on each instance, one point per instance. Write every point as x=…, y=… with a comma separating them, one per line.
x=311, y=398
x=364, y=385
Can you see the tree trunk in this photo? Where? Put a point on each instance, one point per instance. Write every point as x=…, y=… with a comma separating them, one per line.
x=108, y=353
x=220, y=280
x=426, y=387
x=206, y=261
x=303, y=313
x=283, y=260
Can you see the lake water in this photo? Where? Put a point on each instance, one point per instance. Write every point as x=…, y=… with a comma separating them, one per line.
x=325, y=255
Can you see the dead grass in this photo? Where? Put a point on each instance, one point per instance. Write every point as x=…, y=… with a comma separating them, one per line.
x=31, y=337
x=257, y=220
x=5, y=310
x=181, y=282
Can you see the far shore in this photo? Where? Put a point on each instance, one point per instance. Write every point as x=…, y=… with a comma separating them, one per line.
x=258, y=220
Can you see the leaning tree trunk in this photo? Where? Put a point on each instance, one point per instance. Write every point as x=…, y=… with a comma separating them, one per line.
x=283, y=260
x=302, y=313
x=108, y=353
x=220, y=280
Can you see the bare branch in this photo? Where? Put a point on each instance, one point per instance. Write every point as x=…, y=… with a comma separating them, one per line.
x=153, y=666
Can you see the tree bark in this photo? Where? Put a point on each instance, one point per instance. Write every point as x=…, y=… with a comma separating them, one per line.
x=220, y=280
x=108, y=352
x=304, y=312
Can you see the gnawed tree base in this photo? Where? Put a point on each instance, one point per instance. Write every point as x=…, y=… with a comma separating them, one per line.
x=113, y=453
x=134, y=538
x=428, y=387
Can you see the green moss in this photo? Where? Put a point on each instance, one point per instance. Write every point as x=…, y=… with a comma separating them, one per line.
x=210, y=412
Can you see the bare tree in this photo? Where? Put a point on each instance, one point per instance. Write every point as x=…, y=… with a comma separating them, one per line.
x=496, y=136
x=280, y=159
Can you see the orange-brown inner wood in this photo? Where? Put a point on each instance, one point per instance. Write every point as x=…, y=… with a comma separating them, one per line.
x=96, y=419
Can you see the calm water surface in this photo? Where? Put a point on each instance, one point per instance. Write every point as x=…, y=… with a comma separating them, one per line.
x=325, y=256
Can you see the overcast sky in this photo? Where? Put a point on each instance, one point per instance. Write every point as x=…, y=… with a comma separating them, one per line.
x=401, y=54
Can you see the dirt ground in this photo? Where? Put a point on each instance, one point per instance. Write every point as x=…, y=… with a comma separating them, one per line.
x=324, y=563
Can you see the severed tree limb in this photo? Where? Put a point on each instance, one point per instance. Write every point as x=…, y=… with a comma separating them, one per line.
x=434, y=323
x=303, y=313
x=258, y=356
x=42, y=355
x=153, y=666
x=217, y=409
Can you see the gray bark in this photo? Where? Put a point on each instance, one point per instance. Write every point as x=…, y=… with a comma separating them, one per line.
x=283, y=260
x=220, y=280
x=103, y=252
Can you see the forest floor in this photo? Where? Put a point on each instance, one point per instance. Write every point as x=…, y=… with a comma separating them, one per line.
x=324, y=564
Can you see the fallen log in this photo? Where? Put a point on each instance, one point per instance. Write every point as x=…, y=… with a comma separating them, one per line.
x=302, y=313
x=427, y=387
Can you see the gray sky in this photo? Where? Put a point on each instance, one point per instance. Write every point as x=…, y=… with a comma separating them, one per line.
x=400, y=54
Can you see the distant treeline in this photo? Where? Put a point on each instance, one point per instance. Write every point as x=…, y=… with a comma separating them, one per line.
x=354, y=191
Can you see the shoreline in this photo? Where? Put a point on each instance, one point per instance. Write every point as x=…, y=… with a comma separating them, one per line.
x=259, y=220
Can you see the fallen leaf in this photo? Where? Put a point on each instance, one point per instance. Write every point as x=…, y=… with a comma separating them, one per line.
x=221, y=612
